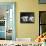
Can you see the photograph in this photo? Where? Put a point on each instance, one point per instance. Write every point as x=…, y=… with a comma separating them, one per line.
x=27, y=17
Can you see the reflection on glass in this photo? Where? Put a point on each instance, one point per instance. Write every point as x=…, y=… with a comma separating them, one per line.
x=9, y=34
x=42, y=21
x=7, y=25
x=2, y=35
x=43, y=27
x=2, y=13
x=2, y=23
x=2, y=28
x=43, y=17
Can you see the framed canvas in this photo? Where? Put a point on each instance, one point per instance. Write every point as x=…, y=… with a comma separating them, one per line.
x=27, y=17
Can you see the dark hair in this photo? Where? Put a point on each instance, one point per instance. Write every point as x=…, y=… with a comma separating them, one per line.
x=44, y=40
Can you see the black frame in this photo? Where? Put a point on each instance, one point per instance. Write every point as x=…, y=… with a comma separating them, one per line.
x=26, y=14
x=39, y=20
x=41, y=2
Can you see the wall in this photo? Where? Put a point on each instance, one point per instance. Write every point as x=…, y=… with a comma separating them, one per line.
x=27, y=30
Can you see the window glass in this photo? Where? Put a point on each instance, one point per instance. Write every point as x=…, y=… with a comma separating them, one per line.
x=42, y=22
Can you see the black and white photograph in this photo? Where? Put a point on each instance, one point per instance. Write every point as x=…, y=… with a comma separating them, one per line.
x=27, y=17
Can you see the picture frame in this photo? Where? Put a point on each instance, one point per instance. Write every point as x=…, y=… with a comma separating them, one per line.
x=27, y=17
x=42, y=1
